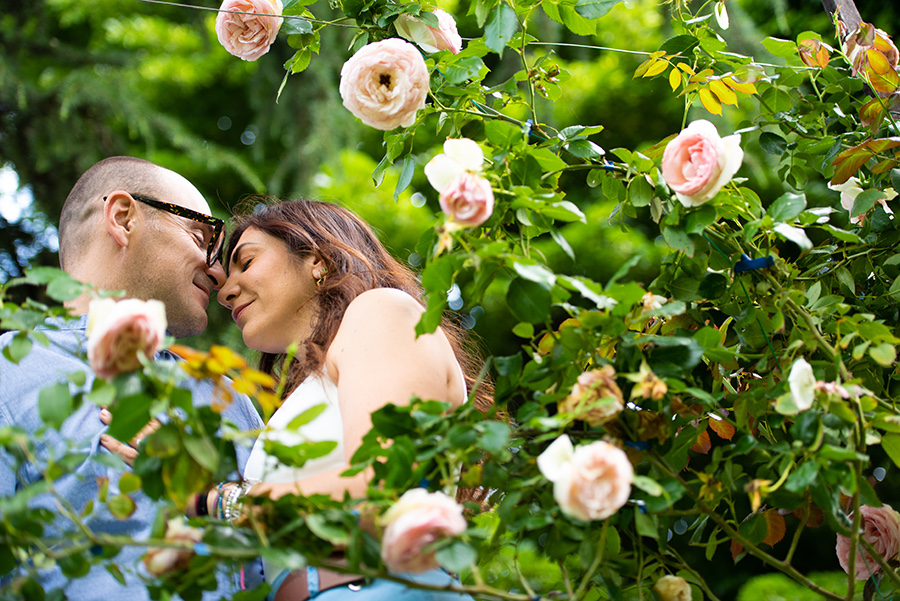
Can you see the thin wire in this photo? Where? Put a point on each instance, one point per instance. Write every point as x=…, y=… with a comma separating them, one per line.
x=241, y=12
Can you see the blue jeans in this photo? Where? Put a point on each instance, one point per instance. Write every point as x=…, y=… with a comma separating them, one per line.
x=380, y=589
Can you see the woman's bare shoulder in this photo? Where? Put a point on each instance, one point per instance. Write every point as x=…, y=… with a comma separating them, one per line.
x=381, y=305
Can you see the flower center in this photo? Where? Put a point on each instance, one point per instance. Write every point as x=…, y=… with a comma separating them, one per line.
x=385, y=80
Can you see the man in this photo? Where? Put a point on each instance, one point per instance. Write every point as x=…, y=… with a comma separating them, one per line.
x=128, y=225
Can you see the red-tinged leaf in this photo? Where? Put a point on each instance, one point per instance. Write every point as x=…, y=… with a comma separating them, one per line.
x=702, y=445
x=882, y=144
x=736, y=549
x=710, y=102
x=849, y=162
x=885, y=166
x=816, y=518
x=722, y=428
x=775, y=527
x=880, y=73
x=871, y=113
x=813, y=53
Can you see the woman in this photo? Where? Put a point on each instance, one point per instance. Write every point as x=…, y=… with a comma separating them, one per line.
x=313, y=273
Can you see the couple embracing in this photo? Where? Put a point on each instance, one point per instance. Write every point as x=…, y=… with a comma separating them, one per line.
x=300, y=272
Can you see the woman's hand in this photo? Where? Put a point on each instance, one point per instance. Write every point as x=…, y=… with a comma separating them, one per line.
x=128, y=452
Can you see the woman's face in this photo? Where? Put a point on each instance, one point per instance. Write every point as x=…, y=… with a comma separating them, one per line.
x=270, y=292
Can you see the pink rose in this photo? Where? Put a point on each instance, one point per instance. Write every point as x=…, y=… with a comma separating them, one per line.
x=468, y=200
x=673, y=588
x=385, y=84
x=160, y=560
x=248, y=36
x=119, y=333
x=881, y=527
x=697, y=163
x=431, y=39
x=595, y=398
x=415, y=521
x=589, y=483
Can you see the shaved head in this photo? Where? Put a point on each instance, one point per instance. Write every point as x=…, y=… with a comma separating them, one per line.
x=84, y=204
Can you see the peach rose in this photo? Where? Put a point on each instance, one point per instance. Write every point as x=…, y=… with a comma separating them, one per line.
x=159, y=560
x=248, y=36
x=697, y=163
x=468, y=200
x=673, y=588
x=589, y=483
x=415, y=521
x=120, y=332
x=595, y=398
x=881, y=527
x=385, y=84
x=431, y=39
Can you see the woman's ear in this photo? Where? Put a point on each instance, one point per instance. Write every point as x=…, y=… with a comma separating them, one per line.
x=119, y=217
x=318, y=268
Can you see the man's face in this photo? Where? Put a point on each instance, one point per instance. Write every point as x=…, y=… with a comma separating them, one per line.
x=168, y=259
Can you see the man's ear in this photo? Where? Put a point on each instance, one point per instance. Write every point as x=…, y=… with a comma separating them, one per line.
x=119, y=217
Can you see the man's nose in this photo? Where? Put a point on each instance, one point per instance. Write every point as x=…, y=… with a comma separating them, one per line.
x=216, y=274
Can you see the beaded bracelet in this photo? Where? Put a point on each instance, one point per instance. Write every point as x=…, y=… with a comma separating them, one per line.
x=220, y=501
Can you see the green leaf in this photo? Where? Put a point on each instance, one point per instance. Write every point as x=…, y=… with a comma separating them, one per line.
x=648, y=485
x=772, y=143
x=640, y=193
x=18, y=348
x=456, y=557
x=55, y=404
x=885, y=354
x=406, y=175
x=865, y=201
x=595, y=9
x=202, y=451
x=295, y=26
x=499, y=29
x=325, y=530
x=713, y=286
x=584, y=149
x=754, y=529
x=501, y=133
x=129, y=483
x=891, y=445
x=130, y=414
x=307, y=416
x=493, y=436
x=779, y=47
x=121, y=507
x=463, y=69
x=536, y=273
x=528, y=300
x=787, y=207
x=65, y=288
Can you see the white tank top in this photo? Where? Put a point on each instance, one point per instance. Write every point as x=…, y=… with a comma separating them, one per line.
x=314, y=390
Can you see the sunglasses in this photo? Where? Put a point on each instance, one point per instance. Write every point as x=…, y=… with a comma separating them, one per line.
x=214, y=249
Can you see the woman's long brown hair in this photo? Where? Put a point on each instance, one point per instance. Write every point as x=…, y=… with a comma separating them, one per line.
x=355, y=262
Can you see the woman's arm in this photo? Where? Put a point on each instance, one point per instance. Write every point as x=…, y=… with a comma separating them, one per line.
x=376, y=359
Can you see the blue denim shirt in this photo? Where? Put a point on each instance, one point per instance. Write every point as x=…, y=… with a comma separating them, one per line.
x=19, y=388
